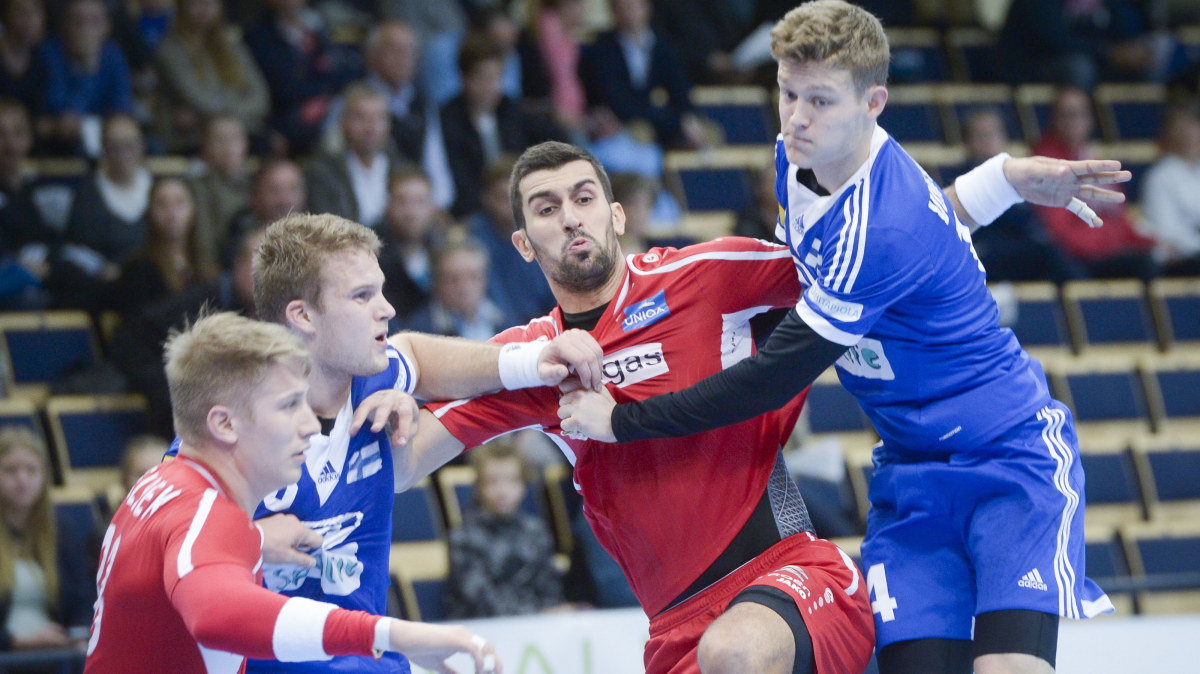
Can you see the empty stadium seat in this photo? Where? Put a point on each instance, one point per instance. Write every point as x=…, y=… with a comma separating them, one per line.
x=419, y=571
x=1176, y=306
x=1164, y=556
x=1106, y=564
x=1033, y=106
x=913, y=114
x=90, y=433
x=1040, y=323
x=833, y=409
x=1106, y=314
x=917, y=56
x=39, y=348
x=416, y=514
x=970, y=54
x=1105, y=394
x=1113, y=487
x=1173, y=382
x=714, y=180
x=745, y=114
x=1129, y=111
x=1169, y=466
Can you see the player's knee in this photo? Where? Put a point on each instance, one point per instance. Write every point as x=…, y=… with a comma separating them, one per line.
x=1011, y=663
x=733, y=644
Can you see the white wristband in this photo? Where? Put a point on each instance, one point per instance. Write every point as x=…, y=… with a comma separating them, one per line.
x=518, y=364
x=984, y=191
x=383, y=637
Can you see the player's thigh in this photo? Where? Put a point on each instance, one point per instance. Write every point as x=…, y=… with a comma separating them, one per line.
x=919, y=573
x=751, y=636
x=1011, y=663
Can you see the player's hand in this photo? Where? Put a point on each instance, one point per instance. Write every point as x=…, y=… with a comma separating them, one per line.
x=587, y=414
x=1062, y=183
x=285, y=539
x=429, y=645
x=391, y=405
x=574, y=351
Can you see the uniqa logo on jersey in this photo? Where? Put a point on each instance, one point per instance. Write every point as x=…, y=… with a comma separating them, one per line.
x=646, y=312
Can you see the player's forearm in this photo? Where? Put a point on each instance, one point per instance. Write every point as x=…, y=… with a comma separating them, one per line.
x=246, y=618
x=792, y=358
x=963, y=216
x=451, y=367
x=427, y=451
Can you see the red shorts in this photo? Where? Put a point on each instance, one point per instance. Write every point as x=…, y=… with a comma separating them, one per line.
x=826, y=585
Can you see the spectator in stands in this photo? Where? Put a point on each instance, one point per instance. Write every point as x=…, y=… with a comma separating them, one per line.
x=1171, y=193
x=391, y=52
x=759, y=218
x=24, y=27
x=501, y=559
x=142, y=333
x=206, y=70
x=1115, y=250
x=24, y=243
x=551, y=50
x=483, y=122
x=353, y=183
x=84, y=77
x=440, y=67
x=412, y=227
x=1015, y=247
x=1080, y=42
x=630, y=68
x=278, y=189
x=107, y=224
x=141, y=453
x=47, y=585
x=636, y=194
x=171, y=261
x=292, y=50
x=518, y=288
x=711, y=29
x=222, y=188
x=459, y=304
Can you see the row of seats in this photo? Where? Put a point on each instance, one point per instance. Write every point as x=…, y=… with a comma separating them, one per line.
x=937, y=113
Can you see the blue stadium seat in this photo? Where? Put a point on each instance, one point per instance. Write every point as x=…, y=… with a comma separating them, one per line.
x=745, y=114
x=1104, y=314
x=419, y=571
x=457, y=487
x=1033, y=105
x=1173, y=380
x=1176, y=305
x=1165, y=557
x=1169, y=465
x=1040, y=323
x=1113, y=488
x=960, y=101
x=917, y=56
x=416, y=515
x=40, y=348
x=1130, y=111
x=913, y=115
x=90, y=433
x=970, y=52
x=1105, y=394
x=832, y=409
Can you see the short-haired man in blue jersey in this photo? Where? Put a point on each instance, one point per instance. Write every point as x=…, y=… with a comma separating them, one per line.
x=319, y=275
x=974, y=545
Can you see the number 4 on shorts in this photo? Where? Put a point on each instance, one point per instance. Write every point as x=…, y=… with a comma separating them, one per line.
x=883, y=603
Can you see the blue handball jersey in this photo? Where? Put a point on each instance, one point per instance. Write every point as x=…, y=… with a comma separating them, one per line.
x=890, y=272
x=345, y=493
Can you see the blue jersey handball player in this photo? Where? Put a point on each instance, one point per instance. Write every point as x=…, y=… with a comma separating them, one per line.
x=974, y=545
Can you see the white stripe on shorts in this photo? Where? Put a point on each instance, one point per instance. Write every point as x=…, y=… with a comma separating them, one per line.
x=1064, y=573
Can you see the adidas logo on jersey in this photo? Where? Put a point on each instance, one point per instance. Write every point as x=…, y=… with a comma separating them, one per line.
x=1033, y=581
x=328, y=474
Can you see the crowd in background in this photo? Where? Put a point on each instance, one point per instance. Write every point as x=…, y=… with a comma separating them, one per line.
x=404, y=115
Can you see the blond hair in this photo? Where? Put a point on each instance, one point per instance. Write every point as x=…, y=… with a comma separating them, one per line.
x=41, y=530
x=834, y=33
x=290, y=257
x=220, y=360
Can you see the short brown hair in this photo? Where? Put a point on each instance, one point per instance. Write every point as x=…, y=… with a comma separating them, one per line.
x=835, y=33
x=220, y=360
x=501, y=449
x=546, y=156
x=288, y=263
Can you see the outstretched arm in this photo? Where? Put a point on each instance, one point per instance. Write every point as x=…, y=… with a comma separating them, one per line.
x=980, y=195
x=791, y=359
x=450, y=367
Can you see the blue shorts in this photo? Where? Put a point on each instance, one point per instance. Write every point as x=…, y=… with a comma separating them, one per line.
x=996, y=528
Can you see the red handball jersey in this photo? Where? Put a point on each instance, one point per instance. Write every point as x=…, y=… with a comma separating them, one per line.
x=180, y=587
x=665, y=509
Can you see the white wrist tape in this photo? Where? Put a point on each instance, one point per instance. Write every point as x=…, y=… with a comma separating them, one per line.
x=984, y=192
x=383, y=637
x=518, y=364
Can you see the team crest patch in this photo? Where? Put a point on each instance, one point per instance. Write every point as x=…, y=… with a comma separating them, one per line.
x=646, y=312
